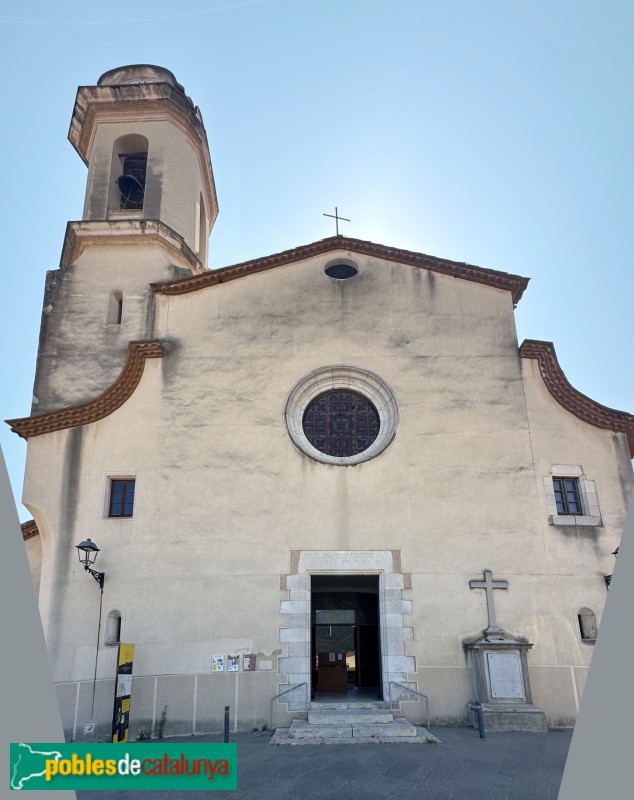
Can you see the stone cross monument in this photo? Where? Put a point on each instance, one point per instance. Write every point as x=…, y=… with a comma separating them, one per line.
x=488, y=584
x=500, y=672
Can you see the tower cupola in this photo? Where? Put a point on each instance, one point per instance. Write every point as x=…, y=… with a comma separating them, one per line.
x=146, y=149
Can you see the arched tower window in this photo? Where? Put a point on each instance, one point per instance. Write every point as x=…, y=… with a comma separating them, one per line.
x=202, y=236
x=113, y=627
x=587, y=624
x=128, y=173
x=114, y=314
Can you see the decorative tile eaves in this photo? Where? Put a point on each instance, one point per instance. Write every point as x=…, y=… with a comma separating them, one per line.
x=29, y=529
x=103, y=405
x=570, y=398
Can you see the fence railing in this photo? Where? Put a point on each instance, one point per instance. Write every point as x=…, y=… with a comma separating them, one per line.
x=281, y=694
x=413, y=691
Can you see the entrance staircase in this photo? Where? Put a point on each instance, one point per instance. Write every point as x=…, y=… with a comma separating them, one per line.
x=351, y=723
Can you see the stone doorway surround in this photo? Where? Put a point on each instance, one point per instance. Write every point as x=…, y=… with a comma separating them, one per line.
x=395, y=663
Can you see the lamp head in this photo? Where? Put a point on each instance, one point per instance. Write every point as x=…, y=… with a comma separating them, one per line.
x=87, y=552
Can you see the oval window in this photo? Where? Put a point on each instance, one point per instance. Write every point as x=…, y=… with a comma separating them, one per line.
x=341, y=271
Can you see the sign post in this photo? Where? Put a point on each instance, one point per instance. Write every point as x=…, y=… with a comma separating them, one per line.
x=123, y=690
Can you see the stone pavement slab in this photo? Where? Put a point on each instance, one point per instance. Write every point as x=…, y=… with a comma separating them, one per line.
x=503, y=766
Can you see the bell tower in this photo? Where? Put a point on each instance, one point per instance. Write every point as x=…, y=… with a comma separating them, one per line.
x=146, y=149
x=149, y=208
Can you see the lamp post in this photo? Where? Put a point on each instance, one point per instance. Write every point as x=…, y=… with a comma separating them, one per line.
x=87, y=552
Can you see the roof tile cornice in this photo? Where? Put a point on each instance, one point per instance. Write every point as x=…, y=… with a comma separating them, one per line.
x=107, y=402
x=489, y=277
x=571, y=399
x=29, y=529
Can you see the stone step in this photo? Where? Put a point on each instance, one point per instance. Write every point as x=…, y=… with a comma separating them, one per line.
x=400, y=727
x=302, y=733
x=349, y=716
x=301, y=729
x=318, y=705
x=351, y=723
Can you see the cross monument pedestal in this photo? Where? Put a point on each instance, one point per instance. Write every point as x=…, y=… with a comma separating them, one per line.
x=500, y=672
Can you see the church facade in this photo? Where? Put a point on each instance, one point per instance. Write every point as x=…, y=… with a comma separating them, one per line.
x=328, y=470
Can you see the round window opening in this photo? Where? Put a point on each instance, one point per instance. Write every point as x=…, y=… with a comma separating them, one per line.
x=341, y=423
x=340, y=414
x=341, y=271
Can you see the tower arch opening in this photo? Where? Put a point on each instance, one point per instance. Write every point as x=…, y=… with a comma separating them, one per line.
x=128, y=173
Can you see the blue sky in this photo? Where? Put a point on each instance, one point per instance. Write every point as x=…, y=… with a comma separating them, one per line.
x=497, y=133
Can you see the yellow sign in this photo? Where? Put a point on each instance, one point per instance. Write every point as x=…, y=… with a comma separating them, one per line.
x=126, y=653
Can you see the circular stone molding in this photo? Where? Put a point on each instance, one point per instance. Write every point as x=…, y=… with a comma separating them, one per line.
x=341, y=378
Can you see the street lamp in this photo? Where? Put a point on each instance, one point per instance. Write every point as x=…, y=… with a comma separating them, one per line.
x=87, y=552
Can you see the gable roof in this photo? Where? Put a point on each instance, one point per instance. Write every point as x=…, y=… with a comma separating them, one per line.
x=489, y=277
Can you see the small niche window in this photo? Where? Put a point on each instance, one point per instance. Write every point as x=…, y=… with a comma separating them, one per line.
x=587, y=625
x=121, y=500
x=115, y=308
x=567, y=495
x=113, y=627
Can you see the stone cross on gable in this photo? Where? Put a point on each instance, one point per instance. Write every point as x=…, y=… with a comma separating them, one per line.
x=488, y=584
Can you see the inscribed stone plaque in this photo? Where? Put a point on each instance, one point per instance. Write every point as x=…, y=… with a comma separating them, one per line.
x=505, y=675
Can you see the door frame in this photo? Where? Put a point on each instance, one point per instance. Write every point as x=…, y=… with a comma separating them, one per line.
x=294, y=668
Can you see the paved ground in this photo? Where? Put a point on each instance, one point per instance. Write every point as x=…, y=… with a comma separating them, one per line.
x=503, y=766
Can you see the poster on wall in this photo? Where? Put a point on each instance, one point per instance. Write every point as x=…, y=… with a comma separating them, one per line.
x=217, y=663
x=122, y=693
x=233, y=663
x=248, y=662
